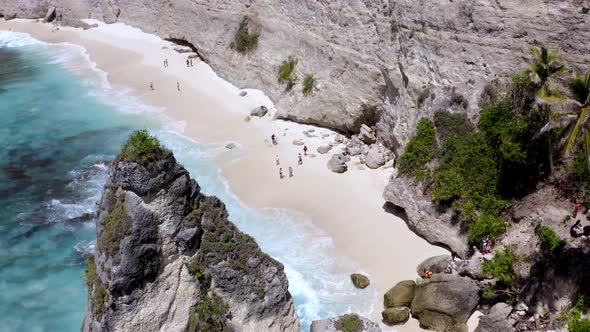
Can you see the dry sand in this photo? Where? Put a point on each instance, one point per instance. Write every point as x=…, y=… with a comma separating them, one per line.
x=349, y=206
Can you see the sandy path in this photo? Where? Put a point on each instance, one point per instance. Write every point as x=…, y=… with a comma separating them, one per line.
x=347, y=206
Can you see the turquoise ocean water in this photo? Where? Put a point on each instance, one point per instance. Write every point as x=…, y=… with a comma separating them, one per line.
x=58, y=131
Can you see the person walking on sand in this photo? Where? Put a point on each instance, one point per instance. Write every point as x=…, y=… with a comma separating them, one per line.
x=299, y=159
x=277, y=160
x=152, y=86
x=178, y=85
x=165, y=63
x=290, y=171
x=273, y=138
x=305, y=150
x=187, y=63
x=191, y=61
x=281, y=173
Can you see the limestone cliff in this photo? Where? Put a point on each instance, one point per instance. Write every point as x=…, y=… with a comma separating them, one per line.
x=168, y=259
x=376, y=61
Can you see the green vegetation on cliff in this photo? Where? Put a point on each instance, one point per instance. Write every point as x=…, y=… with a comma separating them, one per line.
x=97, y=293
x=245, y=40
x=115, y=227
x=484, y=227
x=286, y=74
x=211, y=314
x=501, y=266
x=550, y=240
x=142, y=148
x=419, y=151
x=308, y=84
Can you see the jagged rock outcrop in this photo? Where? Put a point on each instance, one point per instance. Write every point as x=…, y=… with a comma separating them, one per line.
x=445, y=302
x=407, y=201
x=167, y=258
x=379, y=62
x=349, y=322
x=496, y=320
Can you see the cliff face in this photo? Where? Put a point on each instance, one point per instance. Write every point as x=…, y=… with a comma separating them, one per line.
x=384, y=61
x=168, y=259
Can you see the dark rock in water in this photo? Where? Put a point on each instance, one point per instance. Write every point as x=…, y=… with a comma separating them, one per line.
x=395, y=316
x=161, y=241
x=83, y=218
x=445, y=302
x=243, y=93
x=350, y=322
x=359, y=280
x=400, y=295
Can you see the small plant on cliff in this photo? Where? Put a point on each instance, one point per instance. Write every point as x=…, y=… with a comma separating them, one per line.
x=142, y=148
x=451, y=124
x=349, y=323
x=308, y=84
x=501, y=266
x=211, y=314
x=550, y=240
x=97, y=292
x=484, y=227
x=116, y=226
x=286, y=74
x=245, y=41
x=419, y=151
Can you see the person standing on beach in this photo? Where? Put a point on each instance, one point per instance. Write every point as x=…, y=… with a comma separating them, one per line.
x=299, y=159
x=277, y=160
x=165, y=63
x=152, y=86
x=178, y=85
x=290, y=171
x=273, y=138
x=187, y=63
x=305, y=150
x=191, y=61
x=281, y=173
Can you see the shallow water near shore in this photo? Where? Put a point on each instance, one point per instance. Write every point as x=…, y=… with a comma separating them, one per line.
x=60, y=130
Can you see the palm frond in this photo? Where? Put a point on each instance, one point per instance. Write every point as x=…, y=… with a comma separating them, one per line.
x=562, y=122
x=587, y=147
x=571, y=140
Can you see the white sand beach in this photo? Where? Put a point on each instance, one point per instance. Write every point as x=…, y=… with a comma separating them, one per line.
x=348, y=206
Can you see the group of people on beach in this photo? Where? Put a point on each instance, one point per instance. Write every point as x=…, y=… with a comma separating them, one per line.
x=275, y=141
x=189, y=63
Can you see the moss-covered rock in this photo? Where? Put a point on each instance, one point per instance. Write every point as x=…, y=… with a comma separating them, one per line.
x=211, y=314
x=394, y=316
x=359, y=280
x=349, y=323
x=400, y=295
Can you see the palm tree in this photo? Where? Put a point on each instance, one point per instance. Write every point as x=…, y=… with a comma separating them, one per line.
x=543, y=65
x=580, y=89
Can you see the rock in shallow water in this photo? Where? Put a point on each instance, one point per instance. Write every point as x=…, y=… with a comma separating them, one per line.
x=359, y=280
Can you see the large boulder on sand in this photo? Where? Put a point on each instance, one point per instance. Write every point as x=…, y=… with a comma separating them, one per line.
x=445, y=302
x=337, y=163
x=377, y=156
x=350, y=322
x=359, y=280
x=259, y=111
x=400, y=295
x=394, y=316
x=496, y=320
x=436, y=264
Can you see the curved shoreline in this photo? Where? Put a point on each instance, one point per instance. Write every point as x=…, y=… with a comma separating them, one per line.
x=347, y=206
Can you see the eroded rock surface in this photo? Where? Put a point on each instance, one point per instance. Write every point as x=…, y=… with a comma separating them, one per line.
x=166, y=252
